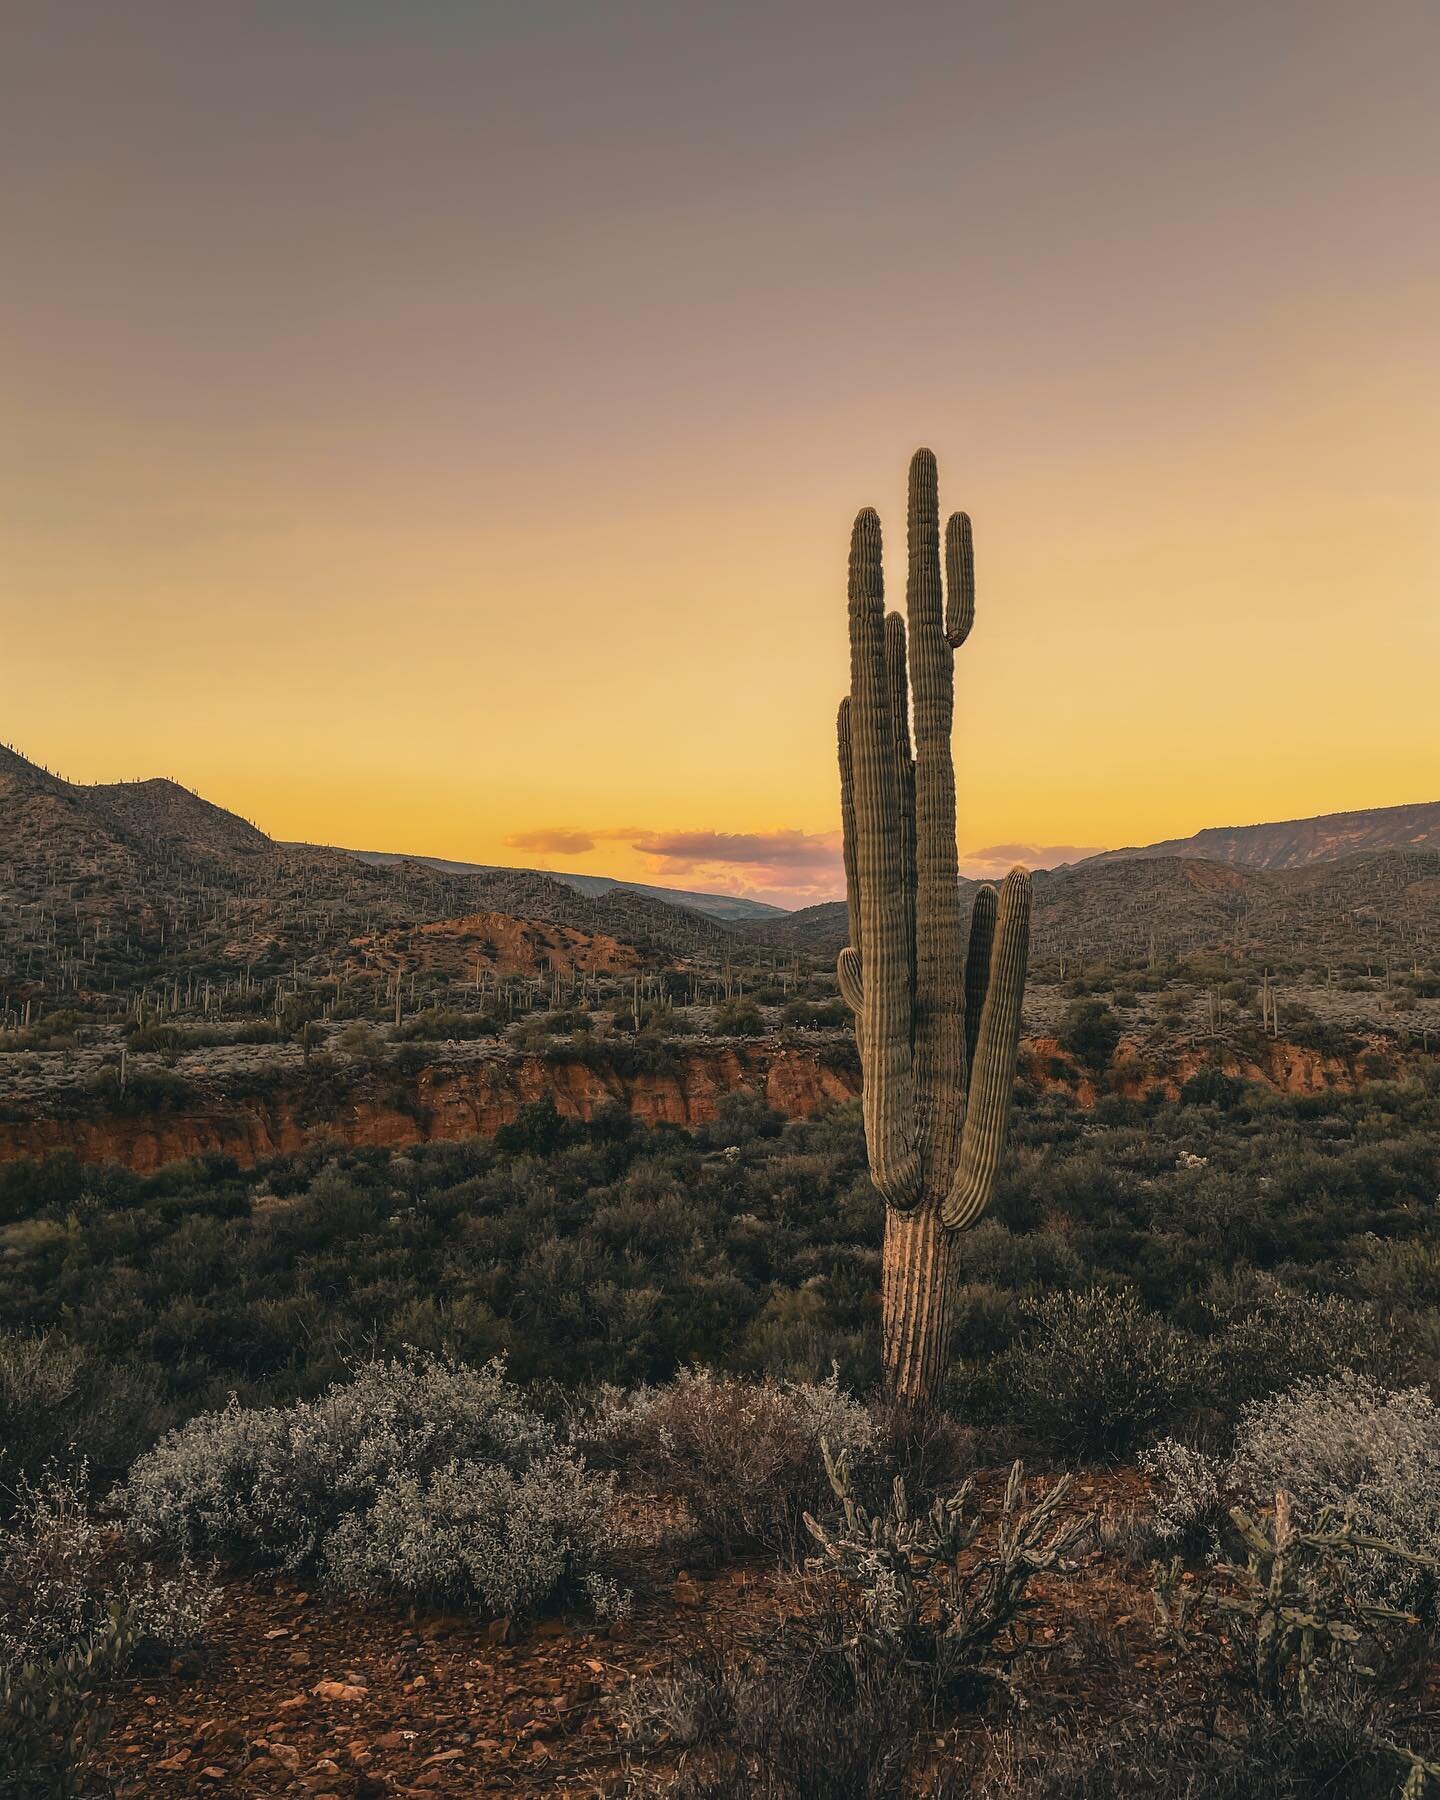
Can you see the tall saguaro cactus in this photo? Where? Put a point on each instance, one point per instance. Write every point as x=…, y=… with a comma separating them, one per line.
x=937, y=1013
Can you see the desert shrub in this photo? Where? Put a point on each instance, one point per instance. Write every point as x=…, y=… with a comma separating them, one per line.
x=742, y=1120
x=738, y=1018
x=690, y=1703
x=1096, y=1374
x=51, y=1719
x=74, y=1613
x=437, y=1023
x=40, y=1381
x=1189, y=1509
x=145, y=1091
x=1089, y=1031
x=926, y=1446
x=420, y=1476
x=1162, y=1749
x=58, y=1405
x=474, y=1531
x=63, y=1574
x=744, y=1456
x=362, y=1041
x=825, y=1015
x=1370, y=1452
x=1402, y=1272
x=795, y=1721
x=1212, y=1087
x=1269, y=1337
x=160, y=1038
x=536, y=1130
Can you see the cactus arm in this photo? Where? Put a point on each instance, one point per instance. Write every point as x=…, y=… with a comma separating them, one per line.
x=997, y=1047
x=939, y=943
x=900, y=717
x=847, y=973
x=847, y=821
x=885, y=1017
x=977, y=964
x=959, y=579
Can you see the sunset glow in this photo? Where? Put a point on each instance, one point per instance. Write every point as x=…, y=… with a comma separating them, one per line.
x=462, y=460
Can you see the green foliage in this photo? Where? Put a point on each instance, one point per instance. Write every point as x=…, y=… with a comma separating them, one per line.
x=1089, y=1031
x=1280, y=1237
x=51, y=1719
x=435, y=1023
x=746, y=1457
x=1095, y=1373
x=738, y=1018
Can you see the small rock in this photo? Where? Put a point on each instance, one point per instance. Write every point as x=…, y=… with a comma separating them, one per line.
x=339, y=1690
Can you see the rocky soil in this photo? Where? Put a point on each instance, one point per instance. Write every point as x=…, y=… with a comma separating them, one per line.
x=304, y=1695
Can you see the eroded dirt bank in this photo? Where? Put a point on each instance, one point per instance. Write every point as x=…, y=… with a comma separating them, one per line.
x=211, y=1109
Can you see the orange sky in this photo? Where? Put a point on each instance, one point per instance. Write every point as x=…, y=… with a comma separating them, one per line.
x=437, y=427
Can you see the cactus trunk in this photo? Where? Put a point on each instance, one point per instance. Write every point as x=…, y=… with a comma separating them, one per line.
x=937, y=1012
x=916, y=1302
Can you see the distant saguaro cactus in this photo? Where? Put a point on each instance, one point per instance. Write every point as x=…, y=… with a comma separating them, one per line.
x=937, y=1014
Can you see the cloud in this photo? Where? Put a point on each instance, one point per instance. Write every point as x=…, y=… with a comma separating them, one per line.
x=995, y=860
x=757, y=849
x=789, y=868
x=786, y=867
x=559, y=839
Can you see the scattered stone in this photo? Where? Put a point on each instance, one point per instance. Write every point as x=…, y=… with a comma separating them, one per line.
x=339, y=1690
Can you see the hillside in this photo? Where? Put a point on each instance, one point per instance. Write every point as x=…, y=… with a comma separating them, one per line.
x=727, y=907
x=1295, y=843
x=1386, y=903
x=115, y=889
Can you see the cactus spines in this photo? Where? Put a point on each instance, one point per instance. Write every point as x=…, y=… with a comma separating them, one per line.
x=937, y=1013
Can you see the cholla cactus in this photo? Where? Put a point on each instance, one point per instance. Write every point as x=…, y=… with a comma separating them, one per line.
x=937, y=1014
x=925, y=1591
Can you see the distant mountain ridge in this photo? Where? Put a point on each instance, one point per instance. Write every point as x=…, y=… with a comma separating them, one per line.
x=99, y=880
x=1296, y=843
x=1382, y=901
x=730, y=907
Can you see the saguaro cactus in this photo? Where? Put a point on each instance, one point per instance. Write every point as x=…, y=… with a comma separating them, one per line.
x=937, y=1014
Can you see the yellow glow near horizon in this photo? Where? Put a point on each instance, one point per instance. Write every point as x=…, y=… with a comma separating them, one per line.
x=372, y=572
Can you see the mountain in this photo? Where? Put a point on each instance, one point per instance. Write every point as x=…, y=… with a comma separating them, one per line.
x=729, y=907
x=113, y=887
x=1384, y=903
x=1294, y=843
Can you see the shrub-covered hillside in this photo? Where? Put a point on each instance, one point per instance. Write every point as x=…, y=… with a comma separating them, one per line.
x=1286, y=1229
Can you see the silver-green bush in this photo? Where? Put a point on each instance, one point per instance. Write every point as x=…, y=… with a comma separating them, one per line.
x=418, y=1475
x=1371, y=1452
x=744, y=1456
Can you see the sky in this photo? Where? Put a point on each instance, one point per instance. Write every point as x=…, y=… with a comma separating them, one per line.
x=435, y=426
